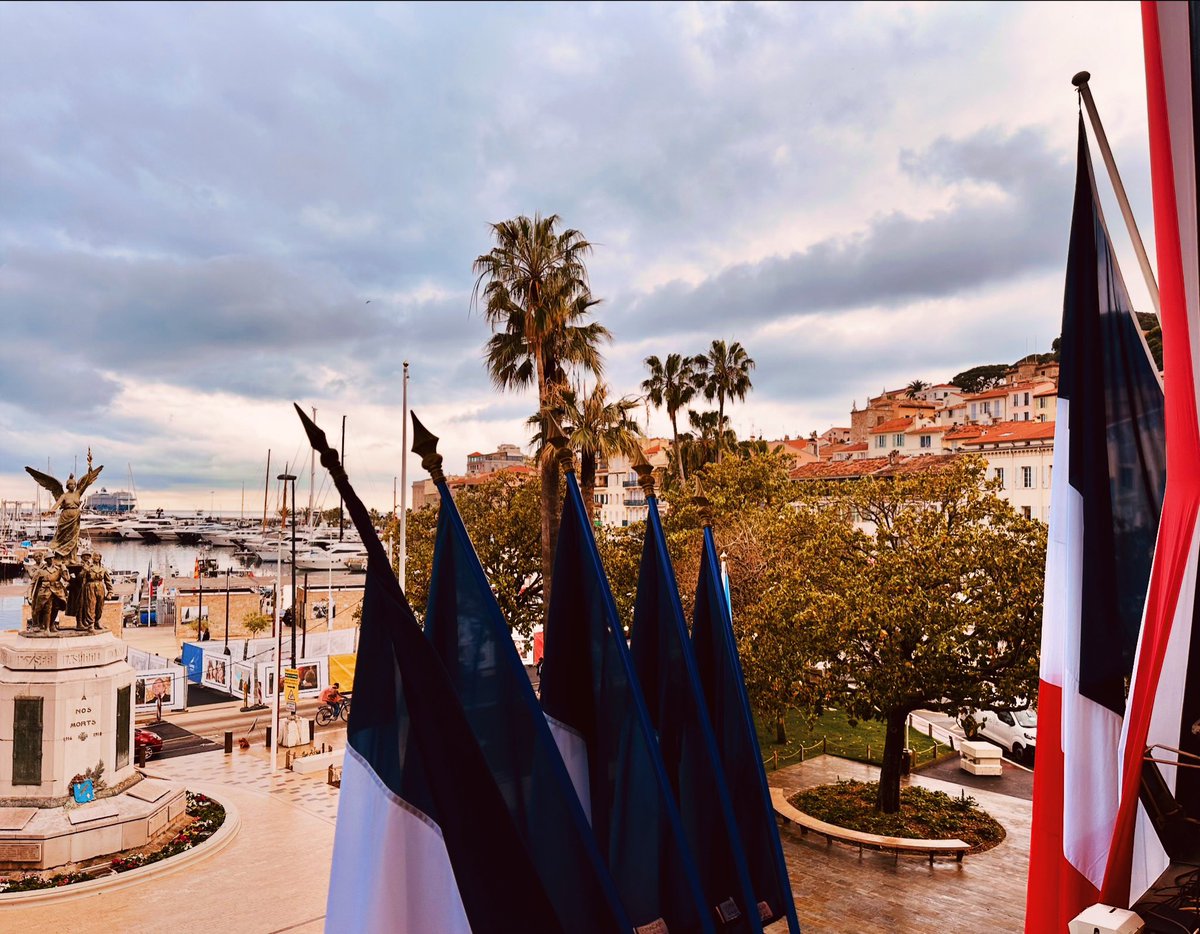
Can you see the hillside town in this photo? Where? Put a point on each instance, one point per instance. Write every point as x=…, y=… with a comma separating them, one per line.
x=1010, y=423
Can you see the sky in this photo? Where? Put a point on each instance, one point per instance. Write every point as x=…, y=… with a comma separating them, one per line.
x=209, y=211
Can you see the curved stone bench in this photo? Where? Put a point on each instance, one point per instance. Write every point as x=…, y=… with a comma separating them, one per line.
x=859, y=838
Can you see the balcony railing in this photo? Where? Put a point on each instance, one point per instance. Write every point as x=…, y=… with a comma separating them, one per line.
x=635, y=502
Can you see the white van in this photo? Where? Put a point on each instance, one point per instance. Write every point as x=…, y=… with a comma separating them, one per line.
x=1015, y=731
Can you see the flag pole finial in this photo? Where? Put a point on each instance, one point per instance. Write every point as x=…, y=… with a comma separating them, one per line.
x=702, y=504
x=1081, y=78
x=644, y=471
x=320, y=443
x=425, y=446
x=557, y=440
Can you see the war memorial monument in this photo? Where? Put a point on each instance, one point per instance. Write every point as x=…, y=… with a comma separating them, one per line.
x=69, y=791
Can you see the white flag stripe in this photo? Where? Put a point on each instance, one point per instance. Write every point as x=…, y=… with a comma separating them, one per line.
x=574, y=752
x=391, y=872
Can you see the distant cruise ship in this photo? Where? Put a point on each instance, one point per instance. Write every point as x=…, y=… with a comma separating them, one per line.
x=119, y=501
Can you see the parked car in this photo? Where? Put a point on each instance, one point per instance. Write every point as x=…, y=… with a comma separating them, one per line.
x=148, y=740
x=1014, y=731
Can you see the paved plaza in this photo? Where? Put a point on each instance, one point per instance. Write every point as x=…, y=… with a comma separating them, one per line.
x=273, y=876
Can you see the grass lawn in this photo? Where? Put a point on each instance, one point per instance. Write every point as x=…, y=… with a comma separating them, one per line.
x=863, y=742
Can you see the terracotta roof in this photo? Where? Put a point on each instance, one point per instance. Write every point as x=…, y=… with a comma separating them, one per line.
x=653, y=449
x=895, y=424
x=1052, y=391
x=873, y=467
x=832, y=450
x=990, y=394
x=963, y=431
x=475, y=454
x=921, y=429
x=1009, y=432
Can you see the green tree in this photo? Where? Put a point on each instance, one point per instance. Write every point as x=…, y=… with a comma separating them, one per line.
x=915, y=387
x=534, y=288
x=937, y=601
x=671, y=385
x=502, y=518
x=725, y=374
x=979, y=378
x=255, y=623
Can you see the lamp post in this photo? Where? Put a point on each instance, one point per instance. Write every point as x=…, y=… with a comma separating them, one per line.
x=227, y=613
x=286, y=478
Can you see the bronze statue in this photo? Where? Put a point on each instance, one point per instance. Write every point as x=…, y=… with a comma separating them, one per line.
x=48, y=595
x=69, y=503
x=97, y=586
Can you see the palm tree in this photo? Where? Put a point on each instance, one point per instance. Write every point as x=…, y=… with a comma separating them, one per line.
x=710, y=440
x=598, y=428
x=724, y=373
x=916, y=386
x=671, y=385
x=536, y=297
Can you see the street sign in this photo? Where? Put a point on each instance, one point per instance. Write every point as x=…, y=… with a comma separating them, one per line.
x=291, y=688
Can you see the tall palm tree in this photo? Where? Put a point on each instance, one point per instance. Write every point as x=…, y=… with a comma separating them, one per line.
x=916, y=386
x=724, y=373
x=711, y=439
x=534, y=288
x=671, y=385
x=598, y=428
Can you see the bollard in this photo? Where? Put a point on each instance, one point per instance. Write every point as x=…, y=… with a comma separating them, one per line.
x=229, y=742
x=141, y=757
x=824, y=751
x=267, y=744
x=312, y=730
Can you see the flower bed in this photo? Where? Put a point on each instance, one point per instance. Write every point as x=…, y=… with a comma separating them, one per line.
x=924, y=814
x=206, y=818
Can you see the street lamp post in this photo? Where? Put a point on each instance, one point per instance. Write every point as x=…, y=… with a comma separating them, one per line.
x=227, y=613
x=286, y=478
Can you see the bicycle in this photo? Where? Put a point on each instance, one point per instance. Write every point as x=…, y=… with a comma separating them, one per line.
x=325, y=714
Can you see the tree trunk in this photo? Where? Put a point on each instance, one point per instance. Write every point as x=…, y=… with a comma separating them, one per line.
x=720, y=425
x=549, y=470
x=780, y=730
x=895, y=741
x=587, y=484
x=678, y=453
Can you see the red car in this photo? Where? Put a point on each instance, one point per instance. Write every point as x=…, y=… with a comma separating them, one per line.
x=151, y=742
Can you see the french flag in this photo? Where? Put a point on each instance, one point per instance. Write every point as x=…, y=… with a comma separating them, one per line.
x=1161, y=742
x=599, y=720
x=424, y=841
x=1106, y=495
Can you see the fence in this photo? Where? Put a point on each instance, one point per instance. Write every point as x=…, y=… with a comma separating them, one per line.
x=943, y=741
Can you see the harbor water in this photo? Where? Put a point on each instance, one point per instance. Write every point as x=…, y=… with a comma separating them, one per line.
x=126, y=556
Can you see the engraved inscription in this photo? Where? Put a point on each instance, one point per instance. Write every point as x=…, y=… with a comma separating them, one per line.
x=21, y=852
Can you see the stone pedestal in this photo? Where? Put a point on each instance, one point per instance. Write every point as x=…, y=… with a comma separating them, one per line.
x=66, y=706
x=66, y=711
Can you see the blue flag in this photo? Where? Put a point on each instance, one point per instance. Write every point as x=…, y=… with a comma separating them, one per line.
x=724, y=689
x=662, y=658
x=468, y=631
x=598, y=718
x=424, y=840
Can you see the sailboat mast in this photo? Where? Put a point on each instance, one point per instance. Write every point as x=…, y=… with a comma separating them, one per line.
x=266, y=489
x=312, y=474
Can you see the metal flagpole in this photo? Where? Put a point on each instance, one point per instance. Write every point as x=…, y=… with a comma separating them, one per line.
x=1085, y=92
x=278, y=648
x=403, y=480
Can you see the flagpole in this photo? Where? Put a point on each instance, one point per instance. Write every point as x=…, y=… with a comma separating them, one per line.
x=403, y=481
x=1085, y=92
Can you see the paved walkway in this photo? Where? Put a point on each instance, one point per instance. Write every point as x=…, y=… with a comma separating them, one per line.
x=273, y=877
x=839, y=890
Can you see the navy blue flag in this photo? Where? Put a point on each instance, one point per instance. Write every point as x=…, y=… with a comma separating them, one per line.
x=724, y=690
x=424, y=840
x=599, y=720
x=468, y=631
x=666, y=670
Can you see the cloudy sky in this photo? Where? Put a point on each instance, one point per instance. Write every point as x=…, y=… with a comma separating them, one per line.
x=209, y=211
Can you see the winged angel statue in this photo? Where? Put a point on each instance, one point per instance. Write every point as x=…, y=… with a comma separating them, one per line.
x=68, y=502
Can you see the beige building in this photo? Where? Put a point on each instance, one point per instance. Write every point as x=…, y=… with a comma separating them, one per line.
x=618, y=499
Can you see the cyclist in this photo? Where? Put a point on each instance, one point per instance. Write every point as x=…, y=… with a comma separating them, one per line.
x=332, y=696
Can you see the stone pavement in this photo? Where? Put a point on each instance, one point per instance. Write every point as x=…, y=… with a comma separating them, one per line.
x=838, y=890
x=273, y=877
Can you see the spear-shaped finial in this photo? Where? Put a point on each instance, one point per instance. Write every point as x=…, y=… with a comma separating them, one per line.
x=558, y=440
x=701, y=502
x=425, y=446
x=320, y=444
x=644, y=471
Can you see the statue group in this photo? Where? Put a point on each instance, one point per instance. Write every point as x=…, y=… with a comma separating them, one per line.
x=65, y=581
